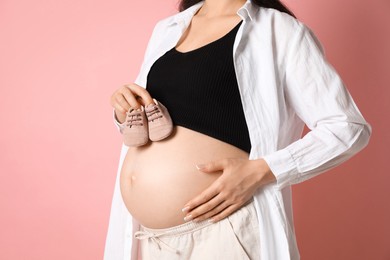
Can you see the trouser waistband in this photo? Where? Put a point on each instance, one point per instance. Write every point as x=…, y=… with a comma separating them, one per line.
x=155, y=234
x=189, y=227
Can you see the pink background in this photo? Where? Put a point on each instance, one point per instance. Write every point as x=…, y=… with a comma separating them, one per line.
x=61, y=61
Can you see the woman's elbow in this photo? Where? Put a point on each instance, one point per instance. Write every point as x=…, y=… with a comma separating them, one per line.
x=366, y=134
x=362, y=138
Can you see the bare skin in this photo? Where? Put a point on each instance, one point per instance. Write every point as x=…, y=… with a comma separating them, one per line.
x=204, y=29
x=159, y=178
x=160, y=182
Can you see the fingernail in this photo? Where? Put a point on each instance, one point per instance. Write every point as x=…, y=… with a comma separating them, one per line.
x=200, y=166
x=185, y=209
x=187, y=218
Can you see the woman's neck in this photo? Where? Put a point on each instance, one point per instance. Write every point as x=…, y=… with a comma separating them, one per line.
x=214, y=8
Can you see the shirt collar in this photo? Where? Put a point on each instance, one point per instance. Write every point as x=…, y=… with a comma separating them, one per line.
x=247, y=11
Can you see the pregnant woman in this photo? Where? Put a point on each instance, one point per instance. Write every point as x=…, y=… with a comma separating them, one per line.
x=238, y=80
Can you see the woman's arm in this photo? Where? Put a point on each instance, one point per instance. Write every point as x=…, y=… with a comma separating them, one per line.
x=319, y=97
x=338, y=131
x=141, y=92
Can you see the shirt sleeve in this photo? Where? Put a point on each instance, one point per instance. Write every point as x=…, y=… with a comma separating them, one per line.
x=319, y=97
x=141, y=78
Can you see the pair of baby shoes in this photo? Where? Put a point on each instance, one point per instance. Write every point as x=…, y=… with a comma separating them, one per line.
x=150, y=122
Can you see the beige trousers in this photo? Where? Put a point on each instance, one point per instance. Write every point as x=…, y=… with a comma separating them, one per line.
x=234, y=237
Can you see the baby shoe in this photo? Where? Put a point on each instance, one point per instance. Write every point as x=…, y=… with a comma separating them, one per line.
x=135, y=127
x=159, y=121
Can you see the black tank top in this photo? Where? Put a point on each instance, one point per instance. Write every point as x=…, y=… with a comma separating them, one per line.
x=199, y=89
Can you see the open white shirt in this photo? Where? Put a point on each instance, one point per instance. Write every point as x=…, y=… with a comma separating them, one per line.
x=285, y=82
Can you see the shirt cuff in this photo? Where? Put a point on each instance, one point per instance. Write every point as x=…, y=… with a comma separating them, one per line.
x=282, y=165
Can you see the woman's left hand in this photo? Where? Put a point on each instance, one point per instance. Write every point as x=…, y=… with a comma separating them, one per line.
x=239, y=180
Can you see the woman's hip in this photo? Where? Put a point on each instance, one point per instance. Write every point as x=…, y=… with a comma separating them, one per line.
x=234, y=237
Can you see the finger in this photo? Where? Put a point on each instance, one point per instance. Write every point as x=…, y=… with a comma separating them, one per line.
x=119, y=103
x=216, y=210
x=205, y=196
x=127, y=99
x=146, y=99
x=224, y=213
x=204, y=208
x=213, y=166
x=119, y=109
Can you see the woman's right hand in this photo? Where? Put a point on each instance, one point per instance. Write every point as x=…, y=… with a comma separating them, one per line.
x=129, y=95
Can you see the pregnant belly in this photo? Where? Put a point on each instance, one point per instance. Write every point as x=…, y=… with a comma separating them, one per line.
x=157, y=179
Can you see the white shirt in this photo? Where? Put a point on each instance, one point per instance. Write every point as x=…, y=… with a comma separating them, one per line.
x=285, y=82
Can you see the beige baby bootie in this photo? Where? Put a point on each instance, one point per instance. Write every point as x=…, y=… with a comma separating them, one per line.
x=159, y=121
x=135, y=127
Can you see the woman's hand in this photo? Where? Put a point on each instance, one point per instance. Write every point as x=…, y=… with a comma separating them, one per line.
x=129, y=95
x=237, y=184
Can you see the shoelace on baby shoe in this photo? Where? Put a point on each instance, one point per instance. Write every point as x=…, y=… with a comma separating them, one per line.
x=133, y=119
x=153, y=114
